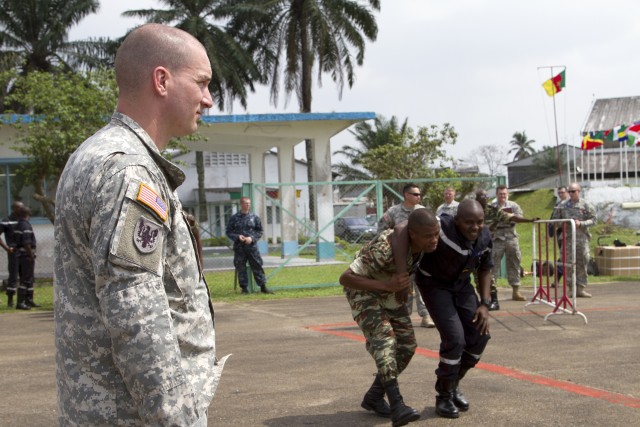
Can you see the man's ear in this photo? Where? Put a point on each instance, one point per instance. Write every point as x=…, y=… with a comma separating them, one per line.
x=160, y=80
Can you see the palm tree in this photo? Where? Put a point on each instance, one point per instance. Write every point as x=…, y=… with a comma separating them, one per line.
x=33, y=33
x=369, y=137
x=294, y=38
x=33, y=37
x=233, y=69
x=521, y=145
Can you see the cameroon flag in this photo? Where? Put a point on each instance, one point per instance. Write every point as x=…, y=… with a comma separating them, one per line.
x=555, y=84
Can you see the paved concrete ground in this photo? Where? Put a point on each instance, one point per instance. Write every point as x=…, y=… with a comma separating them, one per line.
x=302, y=363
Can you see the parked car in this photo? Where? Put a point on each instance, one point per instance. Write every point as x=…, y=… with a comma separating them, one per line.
x=354, y=229
x=372, y=219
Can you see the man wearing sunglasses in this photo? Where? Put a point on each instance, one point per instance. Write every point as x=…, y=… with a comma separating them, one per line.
x=394, y=216
x=584, y=215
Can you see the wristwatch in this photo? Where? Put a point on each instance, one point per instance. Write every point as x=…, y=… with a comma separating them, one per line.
x=486, y=302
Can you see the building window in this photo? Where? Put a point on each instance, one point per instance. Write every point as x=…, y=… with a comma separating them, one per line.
x=224, y=159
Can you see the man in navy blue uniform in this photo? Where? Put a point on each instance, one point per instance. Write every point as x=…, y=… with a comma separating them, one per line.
x=245, y=229
x=26, y=252
x=8, y=227
x=443, y=278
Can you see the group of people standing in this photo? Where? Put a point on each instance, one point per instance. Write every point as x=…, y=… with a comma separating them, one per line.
x=20, y=245
x=437, y=254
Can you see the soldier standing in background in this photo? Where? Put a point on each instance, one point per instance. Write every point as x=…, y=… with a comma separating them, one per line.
x=450, y=205
x=394, y=216
x=26, y=252
x=7, y=227
x=493, y=217
x=584, y=215
x=245, y=229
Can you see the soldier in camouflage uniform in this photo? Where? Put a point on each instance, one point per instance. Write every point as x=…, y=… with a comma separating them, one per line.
x=499, y=222
x=584, y=215
x=394, y=216
x=134, y=327
x=374, y=291
x=450, y=205
x=244, y=229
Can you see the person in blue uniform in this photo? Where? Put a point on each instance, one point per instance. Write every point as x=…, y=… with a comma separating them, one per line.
x=245, y=229
x=443, y=278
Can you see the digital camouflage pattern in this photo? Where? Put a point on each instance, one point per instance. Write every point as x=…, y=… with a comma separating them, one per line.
x=134, y=330
x=449, y=209
x=505, y=242
x=382, y=316
x=586, y=214
x=395, y=215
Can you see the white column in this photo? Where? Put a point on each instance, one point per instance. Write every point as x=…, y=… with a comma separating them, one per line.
x=323, y=196
x=288, y=224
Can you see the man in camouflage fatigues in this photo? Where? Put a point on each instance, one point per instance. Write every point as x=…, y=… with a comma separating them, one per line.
x=244, y=229
x=584, y=215
x=374, y=291
x=134, y=327
x=499, y=221
x=394, y=216
x=450, y=205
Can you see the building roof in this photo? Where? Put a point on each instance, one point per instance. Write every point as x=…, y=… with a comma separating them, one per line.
x=608, y=113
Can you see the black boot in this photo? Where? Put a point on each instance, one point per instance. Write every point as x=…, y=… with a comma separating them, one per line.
x=10, y=300
x=29, y=301
x=459, y=399
x=495, y=305
x=401, y=414
x=374, y=399
x=444, y=400
x=265, y=290
x=21, y=304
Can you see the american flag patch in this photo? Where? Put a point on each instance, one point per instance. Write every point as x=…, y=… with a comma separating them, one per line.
x=151, y=199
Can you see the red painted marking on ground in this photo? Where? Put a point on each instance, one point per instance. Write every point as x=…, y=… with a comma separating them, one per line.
x=616, y=398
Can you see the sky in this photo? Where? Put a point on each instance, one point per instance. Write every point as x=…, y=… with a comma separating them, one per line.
x=478, y=65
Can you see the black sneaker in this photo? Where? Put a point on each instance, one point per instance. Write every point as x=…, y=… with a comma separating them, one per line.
x=265, y=290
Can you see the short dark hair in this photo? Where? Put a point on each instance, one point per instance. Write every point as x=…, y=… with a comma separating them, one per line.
x=421, y=218
x=408, y=187
x=501, y=187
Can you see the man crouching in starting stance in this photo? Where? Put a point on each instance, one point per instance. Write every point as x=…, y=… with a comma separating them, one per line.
x=377, y=296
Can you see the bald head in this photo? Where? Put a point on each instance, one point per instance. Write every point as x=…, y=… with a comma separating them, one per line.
x=148, y=47
x=469, y=207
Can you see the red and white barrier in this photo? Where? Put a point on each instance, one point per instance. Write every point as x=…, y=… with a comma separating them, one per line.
x=547, y=257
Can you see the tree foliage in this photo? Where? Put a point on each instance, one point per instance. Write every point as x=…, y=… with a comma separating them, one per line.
x=368, y=137
x=522, y=146
x=67, y=108
x=489, y=157
x=417, y=155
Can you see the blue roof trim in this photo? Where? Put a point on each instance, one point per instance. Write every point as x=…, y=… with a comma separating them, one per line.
x=236, y=118
x=9, y=119
x=289, y=117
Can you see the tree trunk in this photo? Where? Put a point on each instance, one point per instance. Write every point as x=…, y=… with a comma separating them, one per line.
x=202, y=197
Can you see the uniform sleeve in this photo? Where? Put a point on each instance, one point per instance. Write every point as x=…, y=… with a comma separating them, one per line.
x=257, y=231
x=589, y=216
x=232, y=229
x=128, y=242
x=486, y=260
x=517, y=210
x=386, y=222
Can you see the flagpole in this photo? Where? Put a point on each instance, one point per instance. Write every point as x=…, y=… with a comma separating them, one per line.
x=555, y=124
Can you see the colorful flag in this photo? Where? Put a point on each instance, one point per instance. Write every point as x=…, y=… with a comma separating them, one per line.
x=555, y=84
x=620, y=133
x=592, y=140
x=633, y=134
